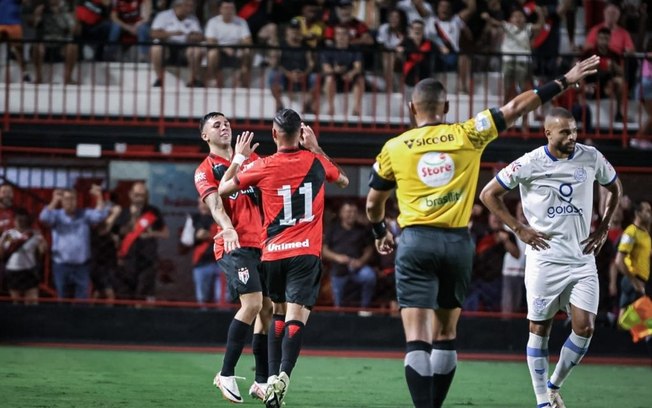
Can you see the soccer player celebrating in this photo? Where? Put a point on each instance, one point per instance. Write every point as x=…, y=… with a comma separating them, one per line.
x=434, y=168
x=237, y=247
x=556, y=185
x=292, y=186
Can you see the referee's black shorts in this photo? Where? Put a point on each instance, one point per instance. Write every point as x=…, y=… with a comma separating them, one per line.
x=433, y=267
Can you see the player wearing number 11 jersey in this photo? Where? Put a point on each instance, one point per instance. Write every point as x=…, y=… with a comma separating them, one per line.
x=292, y=186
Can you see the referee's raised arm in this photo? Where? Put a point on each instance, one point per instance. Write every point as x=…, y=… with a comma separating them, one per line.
x=530, y=100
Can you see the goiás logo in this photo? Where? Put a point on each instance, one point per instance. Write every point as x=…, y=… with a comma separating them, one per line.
x=566, y=207
x=436, y=169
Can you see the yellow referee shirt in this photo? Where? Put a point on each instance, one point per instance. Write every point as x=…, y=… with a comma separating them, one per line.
x=435, y=170
x=635, y=243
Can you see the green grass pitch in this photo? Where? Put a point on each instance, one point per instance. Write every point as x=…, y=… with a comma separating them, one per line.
x=71, y=378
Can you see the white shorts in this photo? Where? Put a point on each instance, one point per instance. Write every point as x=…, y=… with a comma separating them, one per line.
x=552, y=286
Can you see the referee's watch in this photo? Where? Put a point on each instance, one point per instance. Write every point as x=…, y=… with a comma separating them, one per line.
x=564, y=82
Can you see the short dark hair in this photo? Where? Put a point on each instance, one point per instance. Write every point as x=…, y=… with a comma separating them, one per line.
x=208, y=117
x=428, y=93
x=288, y=120
x=559, y=112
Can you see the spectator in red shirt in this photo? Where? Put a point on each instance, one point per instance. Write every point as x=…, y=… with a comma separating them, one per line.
x=129, y=22
x=416, y=53
x=610, y=71
x=620, y=41
x=343, y=17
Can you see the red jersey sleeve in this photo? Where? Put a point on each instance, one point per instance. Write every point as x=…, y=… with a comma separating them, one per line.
x=250, y=175
x=205, y=181
x=332, y=172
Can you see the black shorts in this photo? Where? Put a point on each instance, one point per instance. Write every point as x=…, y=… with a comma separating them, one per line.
x=22, y=280
x=294, y=280
x=433, y=267
x=243, y=272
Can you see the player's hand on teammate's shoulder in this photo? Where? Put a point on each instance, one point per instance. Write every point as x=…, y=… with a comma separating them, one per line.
x=582, y=69
x=537, y=240
x=243, y=144
x=230, y=237
x=307, y=138
x=386, y=244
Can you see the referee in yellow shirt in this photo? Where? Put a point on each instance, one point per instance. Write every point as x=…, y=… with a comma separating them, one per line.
x=434, y=169
x=633, y=258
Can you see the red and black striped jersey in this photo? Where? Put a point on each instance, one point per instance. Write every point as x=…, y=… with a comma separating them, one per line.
x=291, y=183
x=242, y=206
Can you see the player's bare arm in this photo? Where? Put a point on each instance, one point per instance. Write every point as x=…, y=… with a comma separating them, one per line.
x=492, y=196
x=594, y=242
x=228, y=233
x=530, y=100
x=308, y=139
x=638, y=285
x=243, y=149
x=384, y=240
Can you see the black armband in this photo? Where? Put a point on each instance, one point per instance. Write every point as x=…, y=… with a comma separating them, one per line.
x=548, y=91
x=499, y=119
x=379, y=229
x=378, y=183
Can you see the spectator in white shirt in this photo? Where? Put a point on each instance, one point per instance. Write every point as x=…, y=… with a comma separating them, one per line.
x=176, y=28
x=227, y=29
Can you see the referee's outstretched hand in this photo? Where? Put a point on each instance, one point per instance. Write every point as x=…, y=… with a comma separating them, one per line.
x=386, y=244
x=582, y=69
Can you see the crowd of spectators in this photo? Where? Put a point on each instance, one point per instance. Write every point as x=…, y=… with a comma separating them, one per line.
x=389, y=44
x=111, y=251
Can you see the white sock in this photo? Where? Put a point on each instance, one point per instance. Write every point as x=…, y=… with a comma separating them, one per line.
x=537, y=363
x=571, y=354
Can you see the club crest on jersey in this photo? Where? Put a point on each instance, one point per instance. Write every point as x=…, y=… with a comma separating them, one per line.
x=539, y=304
x=436, y=169
x=243, y=275
x=580, y=174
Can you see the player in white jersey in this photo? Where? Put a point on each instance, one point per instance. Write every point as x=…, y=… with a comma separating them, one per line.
x=556, y=185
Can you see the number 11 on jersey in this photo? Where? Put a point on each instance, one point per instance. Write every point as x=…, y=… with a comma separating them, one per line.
x=290, y=214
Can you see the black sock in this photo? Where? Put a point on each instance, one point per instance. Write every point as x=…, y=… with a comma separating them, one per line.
x=235, y=342
x=418, y=373
x=444, y=364
x=291, y=345
x=275, y=339
x=259, y=346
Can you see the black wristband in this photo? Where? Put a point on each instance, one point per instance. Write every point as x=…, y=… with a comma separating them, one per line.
x=564, y=82
x=548, y=91
x=379, y=229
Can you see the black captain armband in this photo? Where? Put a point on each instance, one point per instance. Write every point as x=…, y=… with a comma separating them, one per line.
x=548, y=91
x=381, y=184
x=499, y=119
x=379, y=229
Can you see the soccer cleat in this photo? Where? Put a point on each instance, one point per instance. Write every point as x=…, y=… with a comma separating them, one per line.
x=257, y=390
x=277, y=386
x=555, y=399
x=229, y=387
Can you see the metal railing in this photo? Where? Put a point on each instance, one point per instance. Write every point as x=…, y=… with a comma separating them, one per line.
x=120, y=92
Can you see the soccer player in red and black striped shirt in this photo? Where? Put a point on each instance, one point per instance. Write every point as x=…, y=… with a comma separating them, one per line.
x=291, y=183
x=237, y=249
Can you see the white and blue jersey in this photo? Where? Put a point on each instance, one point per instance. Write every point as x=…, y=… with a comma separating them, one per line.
x=557, y=197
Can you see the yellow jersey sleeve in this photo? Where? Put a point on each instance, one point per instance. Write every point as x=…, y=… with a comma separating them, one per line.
x=382, y=175
x=481, y=129
x=627, y=240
